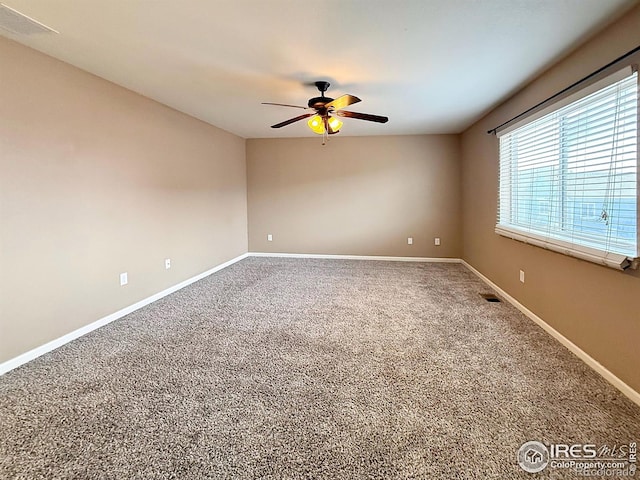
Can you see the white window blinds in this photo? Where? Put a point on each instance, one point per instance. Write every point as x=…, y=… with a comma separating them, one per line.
x=569, y=178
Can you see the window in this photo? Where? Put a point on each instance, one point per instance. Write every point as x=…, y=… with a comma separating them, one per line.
x=569, y=177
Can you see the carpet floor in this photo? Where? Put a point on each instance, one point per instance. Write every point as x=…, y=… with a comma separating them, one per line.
x=307, y=368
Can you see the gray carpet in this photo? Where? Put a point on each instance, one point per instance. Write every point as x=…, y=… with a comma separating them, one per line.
x=290, y=368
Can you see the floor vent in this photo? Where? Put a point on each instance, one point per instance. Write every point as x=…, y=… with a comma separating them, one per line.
x=17, y=23
x=490, y=297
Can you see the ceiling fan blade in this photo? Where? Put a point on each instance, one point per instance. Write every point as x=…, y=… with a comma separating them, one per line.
x=284, y=105
x=363, y=116
x=343, y=101
x=291, y=120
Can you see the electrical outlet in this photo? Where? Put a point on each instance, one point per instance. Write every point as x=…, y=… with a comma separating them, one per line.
x=410, y=241
x=522, y=276
x=270, y=238
x=437, y=241
x=167, y=263
x=124, y=279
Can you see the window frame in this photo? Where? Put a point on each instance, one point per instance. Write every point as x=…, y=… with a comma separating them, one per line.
x=546, y=237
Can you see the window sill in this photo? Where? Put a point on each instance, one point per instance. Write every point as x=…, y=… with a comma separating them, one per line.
x=608, y=259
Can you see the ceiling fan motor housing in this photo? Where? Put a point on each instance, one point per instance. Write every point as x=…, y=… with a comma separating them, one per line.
x=319, y=102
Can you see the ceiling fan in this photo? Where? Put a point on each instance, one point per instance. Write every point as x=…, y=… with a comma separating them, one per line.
x=322, y=122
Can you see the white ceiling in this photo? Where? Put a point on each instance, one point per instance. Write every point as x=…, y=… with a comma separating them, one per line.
x=431, y=66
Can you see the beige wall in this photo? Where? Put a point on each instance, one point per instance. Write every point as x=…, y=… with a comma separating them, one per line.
x=595, y=307
x=96, y=180
x=356, y=195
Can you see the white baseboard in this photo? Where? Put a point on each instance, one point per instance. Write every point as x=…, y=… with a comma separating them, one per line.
x=58, y=342
x=356, y=257
x=577, y=351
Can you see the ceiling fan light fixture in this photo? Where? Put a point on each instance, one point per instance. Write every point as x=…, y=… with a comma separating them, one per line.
x=335, y=124
x=316, y=124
